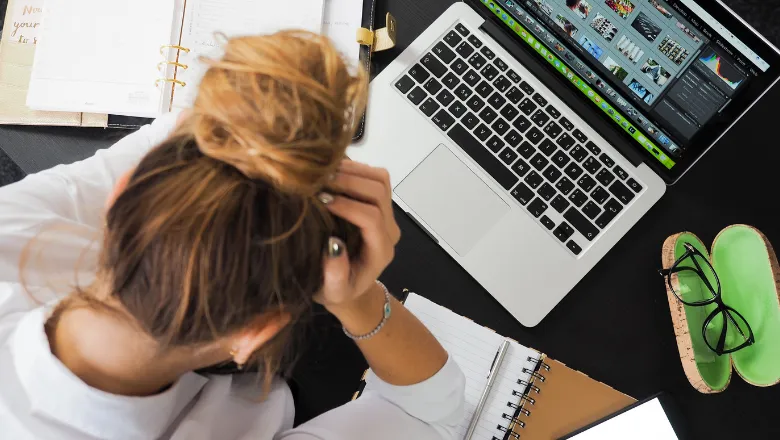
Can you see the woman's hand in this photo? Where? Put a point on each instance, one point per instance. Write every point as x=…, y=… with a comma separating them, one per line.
x=366, y=203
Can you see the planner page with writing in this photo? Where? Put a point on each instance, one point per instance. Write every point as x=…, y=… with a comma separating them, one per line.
x=341, y=21
x=474, y=348
x=101, y=56
x=203, y=19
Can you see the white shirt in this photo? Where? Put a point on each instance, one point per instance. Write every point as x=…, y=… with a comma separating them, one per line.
x=41, y=399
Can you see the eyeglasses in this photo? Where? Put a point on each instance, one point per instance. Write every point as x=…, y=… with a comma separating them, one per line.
x=724, y=329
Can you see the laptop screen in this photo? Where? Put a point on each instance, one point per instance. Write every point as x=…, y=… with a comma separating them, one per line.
x=668, y=74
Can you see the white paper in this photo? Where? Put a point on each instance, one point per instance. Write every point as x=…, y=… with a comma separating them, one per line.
x=342, y=20
x=101, y=56
x=647, y=421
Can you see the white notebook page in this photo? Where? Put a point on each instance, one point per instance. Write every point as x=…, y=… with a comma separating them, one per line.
x=474, y=347
x=341, y=21
x=203, y=18
x=101, y=56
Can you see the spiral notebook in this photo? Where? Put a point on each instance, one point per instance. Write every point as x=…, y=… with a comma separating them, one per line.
x=533, y=396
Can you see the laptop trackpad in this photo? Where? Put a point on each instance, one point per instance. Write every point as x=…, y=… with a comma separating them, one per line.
x=452, y=200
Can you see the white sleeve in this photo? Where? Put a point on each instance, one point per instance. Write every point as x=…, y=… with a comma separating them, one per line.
x=69, y=199
x=430, y=410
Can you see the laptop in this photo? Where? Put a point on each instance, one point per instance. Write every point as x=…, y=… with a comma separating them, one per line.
x=527, y=137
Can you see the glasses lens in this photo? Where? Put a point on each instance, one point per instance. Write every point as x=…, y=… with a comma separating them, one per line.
x=737, y=333
x=694, y=281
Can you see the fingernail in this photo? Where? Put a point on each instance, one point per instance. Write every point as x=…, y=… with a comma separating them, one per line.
x=335, y=247
x=325, y=198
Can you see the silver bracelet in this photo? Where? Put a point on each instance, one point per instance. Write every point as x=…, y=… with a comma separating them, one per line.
x=386, y=310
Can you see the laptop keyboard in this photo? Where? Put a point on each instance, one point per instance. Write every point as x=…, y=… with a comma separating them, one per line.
x=561, y=178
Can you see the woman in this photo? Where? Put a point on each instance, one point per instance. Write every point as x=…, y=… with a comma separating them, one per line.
x=211, y=248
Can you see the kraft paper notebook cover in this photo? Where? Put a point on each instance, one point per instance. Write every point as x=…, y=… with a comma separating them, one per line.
x=533, y=397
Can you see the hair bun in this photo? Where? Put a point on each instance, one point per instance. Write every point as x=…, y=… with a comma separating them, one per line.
x=280, y=107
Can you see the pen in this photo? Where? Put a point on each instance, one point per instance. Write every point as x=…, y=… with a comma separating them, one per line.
x=490, y=379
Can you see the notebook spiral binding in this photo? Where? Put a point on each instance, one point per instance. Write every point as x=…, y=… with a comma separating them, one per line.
x=520, y=406
x=165, y=63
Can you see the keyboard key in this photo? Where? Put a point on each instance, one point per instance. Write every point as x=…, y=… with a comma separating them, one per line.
x=450, y=80
x=574, y=247
x=566, y=123
x=573, y=171
x=477, y=61
x=599, y=195
x=487, y=52
x=565, y=185
x=533, y=179
x=593, y=148
x=445, y=97
x=459, y=66
x=496, y=100
x=464, y=49
x=539, y=161
x=547, y=147
x=563, y=232
x=507, y=155
x=521, y=124
x=514, y=95
x=634, y=185
x=560, y=203
x=622, y=192
x=578, y=197
x=513, y=138
x=611, y=210
x=522, y=193
x=527, y=106
x=457, y=109
x=509, y=112
x=419, y=73
x=560, y=159
x=502, y=84
x=549, y=224
x=581, y=224
x=534, y=135
x=605, y=177
x=527, y=88
x=606, y=160
x=552, y=174
x=578, y=153
x=521, y=167
x=539, y=99
x=526, y=150
x=540, y=117
x=496, y=144
x=484, y=89
x=546, y=191
x=470, y=121
x=475, y=103
x=444, y=52
x=483, y=157
x=591, y=165
x=416, y=95
x=489, y=72
x=434, y=65
x=500, y=64
x=552, y=111
x=513, y=76
x=404, y=84
x=620, y=173
x=429, y=107
x=471, y=78
x=475, y=41
x=591, y=209
x=580, y=136
x=565, y=141
x=462, y=29
x=452, y=38
x=552, y=129
x=500, y=127
x=443, y=120
x=537, y=207
x=482, y=132
x=463, y=92
x=488, y=115
x=432, y=86
x=586, y=183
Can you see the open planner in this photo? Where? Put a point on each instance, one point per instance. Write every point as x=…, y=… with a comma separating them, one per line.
x=532, y=395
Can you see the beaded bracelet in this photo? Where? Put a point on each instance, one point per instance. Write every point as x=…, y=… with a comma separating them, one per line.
x=385, y=316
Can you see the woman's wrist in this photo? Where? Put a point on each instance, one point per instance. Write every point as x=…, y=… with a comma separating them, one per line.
x=362, y=314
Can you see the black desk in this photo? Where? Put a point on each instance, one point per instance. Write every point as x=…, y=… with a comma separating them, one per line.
x=615, y=325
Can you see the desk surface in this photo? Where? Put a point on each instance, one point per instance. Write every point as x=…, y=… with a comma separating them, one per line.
x=615, y=325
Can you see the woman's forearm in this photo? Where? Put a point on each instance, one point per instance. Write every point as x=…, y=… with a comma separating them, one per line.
x=404, y=352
